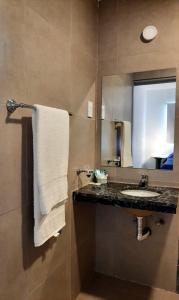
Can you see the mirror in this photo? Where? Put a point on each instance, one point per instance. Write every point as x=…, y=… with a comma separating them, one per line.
x=138, y=120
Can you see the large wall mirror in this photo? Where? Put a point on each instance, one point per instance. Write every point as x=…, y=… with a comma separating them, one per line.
x=138, y=120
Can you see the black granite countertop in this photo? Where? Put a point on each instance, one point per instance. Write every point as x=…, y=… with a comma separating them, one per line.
x=110, y=194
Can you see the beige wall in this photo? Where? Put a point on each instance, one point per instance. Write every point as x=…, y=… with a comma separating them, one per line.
x=48, y=55
x=118, y=253
x=121, y=51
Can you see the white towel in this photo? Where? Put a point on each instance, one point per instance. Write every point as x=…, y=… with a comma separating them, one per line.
x=51, y=150
x=126, y=153
x=49, y=225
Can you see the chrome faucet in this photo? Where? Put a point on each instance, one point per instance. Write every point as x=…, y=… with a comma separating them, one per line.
x=143, y=183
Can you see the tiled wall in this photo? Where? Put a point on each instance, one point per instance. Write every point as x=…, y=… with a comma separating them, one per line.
x=121, y=51
x=48, y=55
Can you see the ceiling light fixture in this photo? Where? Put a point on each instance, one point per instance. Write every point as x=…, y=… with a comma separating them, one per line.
x=149, y=33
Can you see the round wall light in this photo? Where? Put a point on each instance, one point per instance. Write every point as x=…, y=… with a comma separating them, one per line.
x=149, y=33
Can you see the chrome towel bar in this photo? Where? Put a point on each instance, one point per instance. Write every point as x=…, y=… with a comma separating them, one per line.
x=12, y=105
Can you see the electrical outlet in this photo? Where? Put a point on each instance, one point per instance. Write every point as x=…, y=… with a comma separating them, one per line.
x=90, y=109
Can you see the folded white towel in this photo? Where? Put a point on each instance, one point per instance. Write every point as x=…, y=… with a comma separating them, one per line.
x=51, y=150
x=126, y=153
x=49, y=225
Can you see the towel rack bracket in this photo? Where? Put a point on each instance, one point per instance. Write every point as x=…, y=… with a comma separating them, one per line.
x=11, y=105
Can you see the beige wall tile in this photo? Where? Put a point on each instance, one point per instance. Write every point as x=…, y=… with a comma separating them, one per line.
x=48, y=55
x=126, y=23
x=84, y=29
x=82, y=145
x=83, y=225
x=13, y=277
x=119, y=254
x=56, y=287
x=82, y=270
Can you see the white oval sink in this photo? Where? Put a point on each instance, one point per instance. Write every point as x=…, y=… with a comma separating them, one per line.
x=140, y=193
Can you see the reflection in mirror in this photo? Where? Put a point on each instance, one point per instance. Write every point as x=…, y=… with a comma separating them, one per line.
x=138, y=120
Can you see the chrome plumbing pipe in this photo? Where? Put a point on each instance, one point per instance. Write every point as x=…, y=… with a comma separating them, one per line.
x=140, y=235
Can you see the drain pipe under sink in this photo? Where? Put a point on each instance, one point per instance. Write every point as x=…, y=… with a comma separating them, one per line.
x=142, y=234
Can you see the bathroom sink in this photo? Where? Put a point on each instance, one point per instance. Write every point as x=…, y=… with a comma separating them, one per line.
x=140, y=193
